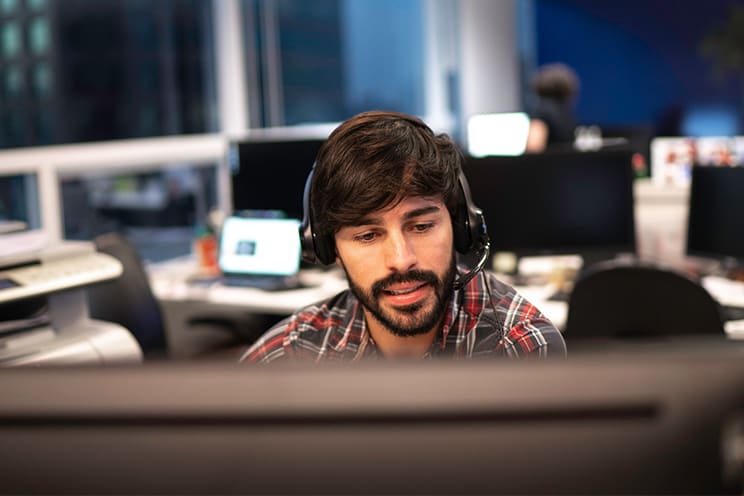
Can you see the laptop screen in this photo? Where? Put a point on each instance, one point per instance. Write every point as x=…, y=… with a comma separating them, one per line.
x=260, y=246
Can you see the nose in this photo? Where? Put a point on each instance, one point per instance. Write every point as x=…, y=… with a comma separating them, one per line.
x=400, y=255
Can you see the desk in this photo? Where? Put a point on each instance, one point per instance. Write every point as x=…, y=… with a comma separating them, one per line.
x=188, y=308
x=184, y=303
x=170, y=283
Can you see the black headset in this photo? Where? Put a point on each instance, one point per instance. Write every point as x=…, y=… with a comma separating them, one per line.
x=468, y=225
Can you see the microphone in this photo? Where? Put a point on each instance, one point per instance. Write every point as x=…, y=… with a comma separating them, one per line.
x=462, y=279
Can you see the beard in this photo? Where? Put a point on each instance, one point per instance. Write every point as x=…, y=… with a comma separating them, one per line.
x=409, y=320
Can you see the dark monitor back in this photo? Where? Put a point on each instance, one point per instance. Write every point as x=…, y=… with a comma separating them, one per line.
x=625, y=423
x=554, y=203
x=715, y=226
x=269, y=174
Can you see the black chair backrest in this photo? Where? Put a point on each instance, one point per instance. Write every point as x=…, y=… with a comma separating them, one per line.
x=633, y=300
x=128, y=300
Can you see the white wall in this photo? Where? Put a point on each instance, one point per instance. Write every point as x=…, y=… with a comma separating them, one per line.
x=489, y=61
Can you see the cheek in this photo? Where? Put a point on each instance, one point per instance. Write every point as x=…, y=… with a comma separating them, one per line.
x=359, y=264
x=437, y=252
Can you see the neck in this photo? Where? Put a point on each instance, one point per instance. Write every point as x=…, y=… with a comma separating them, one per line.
x=394, y=346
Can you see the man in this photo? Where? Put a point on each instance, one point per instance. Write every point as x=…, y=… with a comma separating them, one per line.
x=388, y=204
x=552, y=121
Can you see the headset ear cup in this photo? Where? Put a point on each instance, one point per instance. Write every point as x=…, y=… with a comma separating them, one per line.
x=316, y=249
x=325, y=249
x=307, y=243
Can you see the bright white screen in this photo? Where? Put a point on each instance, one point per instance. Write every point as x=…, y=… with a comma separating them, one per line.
x=260, y=246
x=498, y=134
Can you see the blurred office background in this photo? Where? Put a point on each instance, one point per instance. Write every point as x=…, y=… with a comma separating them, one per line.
x=115, y=114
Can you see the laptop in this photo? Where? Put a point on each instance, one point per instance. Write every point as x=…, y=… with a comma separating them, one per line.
x=260, y=252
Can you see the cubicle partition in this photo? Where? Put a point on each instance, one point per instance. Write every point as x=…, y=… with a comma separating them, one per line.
x=153, y=190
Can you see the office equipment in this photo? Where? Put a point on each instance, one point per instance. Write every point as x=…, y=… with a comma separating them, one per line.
x=128, y=299
x=715, y=228
x=49, y=284
x=647, y=421
x=260, y=252
x=502, y=133
x=626, y=300
x=269, y=173
x=672, y=158
x=556, y=203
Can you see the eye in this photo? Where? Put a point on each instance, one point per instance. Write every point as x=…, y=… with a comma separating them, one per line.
x=423, y=226
x=366, y=237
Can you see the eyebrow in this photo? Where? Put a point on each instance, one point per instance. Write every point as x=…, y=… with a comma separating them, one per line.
x=365, y=221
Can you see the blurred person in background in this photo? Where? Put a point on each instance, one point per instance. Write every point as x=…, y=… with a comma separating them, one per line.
x=552, y=120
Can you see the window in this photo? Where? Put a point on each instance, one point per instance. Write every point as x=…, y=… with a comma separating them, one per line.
x=326, y=60
x=79, y=70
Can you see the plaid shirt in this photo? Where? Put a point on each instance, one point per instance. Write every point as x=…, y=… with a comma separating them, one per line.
x=487, y=317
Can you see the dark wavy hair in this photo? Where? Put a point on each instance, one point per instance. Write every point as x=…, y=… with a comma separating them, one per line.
x=375, y=160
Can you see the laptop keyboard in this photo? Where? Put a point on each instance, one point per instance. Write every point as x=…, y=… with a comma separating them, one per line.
x=266, y=283
x=733, y=313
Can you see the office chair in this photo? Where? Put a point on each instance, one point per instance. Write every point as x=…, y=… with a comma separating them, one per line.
x=622, y=300
x=128, y=300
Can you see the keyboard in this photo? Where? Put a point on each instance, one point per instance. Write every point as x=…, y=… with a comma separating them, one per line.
x=57, y=275
x=732, y=313
x=265, y=283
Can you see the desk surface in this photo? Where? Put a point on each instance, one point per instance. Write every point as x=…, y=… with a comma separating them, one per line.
x=170, y=282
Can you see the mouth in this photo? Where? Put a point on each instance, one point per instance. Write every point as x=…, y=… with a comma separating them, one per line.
x=405, y=294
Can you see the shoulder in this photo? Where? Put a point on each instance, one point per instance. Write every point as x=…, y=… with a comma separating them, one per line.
x=306, y=333
x=526, y=330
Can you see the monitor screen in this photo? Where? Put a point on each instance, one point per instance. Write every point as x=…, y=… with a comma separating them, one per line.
x=270, y=174
x=259, y=246
x=672, y=158
x=498, y=134
x=556, y=203
x=626, y=422
x=715, y=226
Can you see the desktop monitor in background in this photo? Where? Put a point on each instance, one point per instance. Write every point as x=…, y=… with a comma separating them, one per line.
x=498, y=134
x=557, y=203
x=270, y=174
x=672, y=158
x=715, y=227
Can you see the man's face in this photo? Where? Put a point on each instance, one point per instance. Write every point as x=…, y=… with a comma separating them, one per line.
x=400, y=264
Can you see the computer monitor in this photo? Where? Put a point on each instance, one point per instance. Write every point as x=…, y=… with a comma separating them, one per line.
x=502, y=133
x=618, y=423
x=556, y=203
x=715, y=226
x=672, y=158
x=270, y=174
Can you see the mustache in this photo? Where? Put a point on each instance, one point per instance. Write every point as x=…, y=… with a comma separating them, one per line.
x=423, y=276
